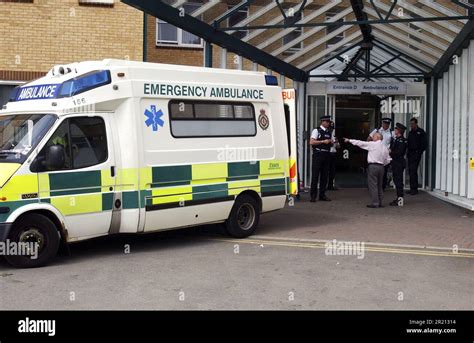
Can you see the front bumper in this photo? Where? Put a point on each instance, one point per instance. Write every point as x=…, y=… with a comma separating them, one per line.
x=5, y=231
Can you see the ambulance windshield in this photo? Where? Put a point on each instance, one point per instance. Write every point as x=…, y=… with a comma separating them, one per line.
x=20, y=133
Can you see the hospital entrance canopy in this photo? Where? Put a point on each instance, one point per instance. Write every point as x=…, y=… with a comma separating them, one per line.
x=383, y=40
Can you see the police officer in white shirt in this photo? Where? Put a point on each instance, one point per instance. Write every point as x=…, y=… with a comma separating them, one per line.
x=321, y=142
x=387, y=134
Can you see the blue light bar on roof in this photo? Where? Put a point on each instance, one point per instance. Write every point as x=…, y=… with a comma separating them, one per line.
x=84, y=83
x=271, y=80
x=68, y=88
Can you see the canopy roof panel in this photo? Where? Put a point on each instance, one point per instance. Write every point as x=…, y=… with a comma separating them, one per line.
x=405, y=40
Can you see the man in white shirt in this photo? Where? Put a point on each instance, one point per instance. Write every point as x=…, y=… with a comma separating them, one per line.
x=377, y=158
x=388, y=135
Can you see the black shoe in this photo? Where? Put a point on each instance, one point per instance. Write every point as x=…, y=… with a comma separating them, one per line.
x=413, y=192
x=312, y=200
x=373, y=206
x=324, y=199
x=381, y=206
x=394, y=203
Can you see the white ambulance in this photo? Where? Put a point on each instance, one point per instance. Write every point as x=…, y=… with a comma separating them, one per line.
x=107, y=147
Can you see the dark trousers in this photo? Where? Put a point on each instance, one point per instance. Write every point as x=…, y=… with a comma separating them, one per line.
x=397, y=172
x=384, y=182
x=414, y=159
x=332, y=169
x=319, y=172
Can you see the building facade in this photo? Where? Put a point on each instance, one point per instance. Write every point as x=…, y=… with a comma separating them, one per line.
x=37, y=34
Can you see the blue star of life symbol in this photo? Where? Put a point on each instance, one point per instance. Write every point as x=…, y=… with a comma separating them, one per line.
x=154, y=118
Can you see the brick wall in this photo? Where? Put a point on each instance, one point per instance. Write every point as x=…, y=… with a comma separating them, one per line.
x=35, y=36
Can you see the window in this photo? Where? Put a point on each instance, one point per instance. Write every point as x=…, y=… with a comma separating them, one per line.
x=84, y=141
x=235, y=19
x=167, y=34
x=329, y=29
x=19, y=1
x=211, y=119
x=5, y=92
x=296, y=33
x=21, y=133
x=97, y=2
x=213, y=111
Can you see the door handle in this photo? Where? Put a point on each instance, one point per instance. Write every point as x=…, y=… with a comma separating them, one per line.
x=112, y=171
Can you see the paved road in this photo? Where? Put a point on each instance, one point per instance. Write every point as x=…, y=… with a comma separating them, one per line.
x=192, y=270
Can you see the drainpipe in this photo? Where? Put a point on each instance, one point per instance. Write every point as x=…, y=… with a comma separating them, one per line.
x=145, y=36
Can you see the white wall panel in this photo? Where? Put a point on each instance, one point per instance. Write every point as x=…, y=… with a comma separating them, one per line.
x=439, y=126
x=455, y=129
x=444, y=136
x=456, y=117
x=470, y=134
x=463, y=156
x=450, y=130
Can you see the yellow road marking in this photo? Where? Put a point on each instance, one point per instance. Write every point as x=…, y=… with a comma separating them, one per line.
x=366, y=247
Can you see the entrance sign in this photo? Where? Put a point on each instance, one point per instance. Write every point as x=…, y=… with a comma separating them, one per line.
x=337, y=87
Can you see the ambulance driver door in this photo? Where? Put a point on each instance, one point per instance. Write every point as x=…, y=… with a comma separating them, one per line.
x=76, y=174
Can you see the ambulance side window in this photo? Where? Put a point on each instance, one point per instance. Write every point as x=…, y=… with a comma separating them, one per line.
x=60, y=137
x=88, y=141
x=84, y=142
x=198, y=118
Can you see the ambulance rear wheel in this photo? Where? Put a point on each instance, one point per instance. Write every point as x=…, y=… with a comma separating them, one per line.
x=41, y=241
x=244, y=217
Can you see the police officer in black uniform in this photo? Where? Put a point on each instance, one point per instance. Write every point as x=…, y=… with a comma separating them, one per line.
x=416, y=147
x=321, y=142
x=398, y=149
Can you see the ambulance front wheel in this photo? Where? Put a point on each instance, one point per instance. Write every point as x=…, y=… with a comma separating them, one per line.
x=40, y=241
x=244, y=217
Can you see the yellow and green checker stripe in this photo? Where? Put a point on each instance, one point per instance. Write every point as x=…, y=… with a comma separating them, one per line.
x=153, y=188
x=186, y=185
x=78, y=192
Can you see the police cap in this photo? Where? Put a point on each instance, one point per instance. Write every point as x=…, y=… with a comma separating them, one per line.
x=400, y=126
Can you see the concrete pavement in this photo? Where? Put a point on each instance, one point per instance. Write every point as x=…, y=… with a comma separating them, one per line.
x=286, y=265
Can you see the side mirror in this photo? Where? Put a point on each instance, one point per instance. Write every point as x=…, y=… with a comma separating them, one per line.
x=55, y=157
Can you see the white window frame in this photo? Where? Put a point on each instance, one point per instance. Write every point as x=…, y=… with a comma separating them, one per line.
x=179, y=42
x=97, y=2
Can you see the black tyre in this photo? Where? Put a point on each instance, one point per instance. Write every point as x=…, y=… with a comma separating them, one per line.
x=39, y=230
x=244, y=217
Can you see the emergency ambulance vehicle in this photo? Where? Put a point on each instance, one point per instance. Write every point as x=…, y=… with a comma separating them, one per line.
x=106, y=147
